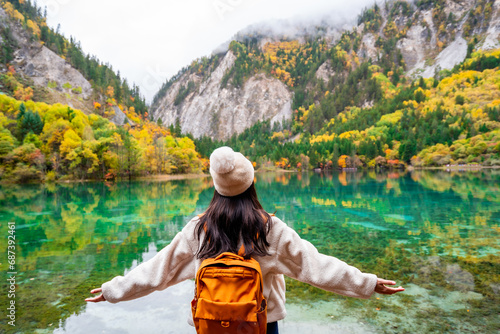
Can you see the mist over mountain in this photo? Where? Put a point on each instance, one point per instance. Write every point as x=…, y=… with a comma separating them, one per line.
x=326, y=26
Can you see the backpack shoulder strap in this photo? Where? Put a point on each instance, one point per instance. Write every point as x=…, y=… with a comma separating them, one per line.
x=241, y=251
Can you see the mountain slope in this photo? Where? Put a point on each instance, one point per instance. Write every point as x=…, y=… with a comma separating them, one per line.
x=53, y=78
x=245, y=86
x=56, y=68
x=405, y=39
x=64, y=115
x=206, y=109
x=360, y=102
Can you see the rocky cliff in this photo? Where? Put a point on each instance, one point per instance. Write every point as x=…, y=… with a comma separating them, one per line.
x=492, y=38
x=60, y=81
x=428, y=48
x=421, y=49
x=209, y=110
x=44, y=67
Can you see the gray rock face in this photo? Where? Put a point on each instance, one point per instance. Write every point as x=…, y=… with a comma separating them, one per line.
x=41, y=64
x=452, y=55
x=45, y=66
x=325, y=71
x=120, y=118
x=218, y=112
x=419, y=48
x=492, y=40
x=415, y=46
x=368, y=48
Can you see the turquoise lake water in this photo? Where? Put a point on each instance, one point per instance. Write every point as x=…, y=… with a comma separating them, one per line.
x=434, y=232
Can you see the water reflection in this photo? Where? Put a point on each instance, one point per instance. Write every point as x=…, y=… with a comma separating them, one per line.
x=74, y=236
x=436, y=232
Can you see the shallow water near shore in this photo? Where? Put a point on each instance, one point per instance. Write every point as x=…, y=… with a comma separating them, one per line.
x=434, y=232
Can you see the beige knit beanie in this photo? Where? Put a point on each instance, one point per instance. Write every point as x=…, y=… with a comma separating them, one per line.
x=231, y=171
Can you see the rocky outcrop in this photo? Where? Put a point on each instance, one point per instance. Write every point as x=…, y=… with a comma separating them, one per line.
x=419, y=43
x=325, y=71
x=420, y=48
x=209, y=110
x=368, y=49
x=452, y=55
x=492, y=40
x=45, y=66
x=119, y=118
x=42, y=65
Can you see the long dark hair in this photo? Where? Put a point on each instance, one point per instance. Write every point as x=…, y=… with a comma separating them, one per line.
x=229, y=220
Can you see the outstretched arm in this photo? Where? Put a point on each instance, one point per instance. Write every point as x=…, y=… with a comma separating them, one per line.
x=171, y=265
x=300, y=260
x=97, y=299
x=381, y=288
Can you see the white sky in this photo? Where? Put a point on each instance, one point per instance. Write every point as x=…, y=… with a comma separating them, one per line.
x=149, y=41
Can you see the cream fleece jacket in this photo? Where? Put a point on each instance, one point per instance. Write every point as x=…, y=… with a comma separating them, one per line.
x=289, y=255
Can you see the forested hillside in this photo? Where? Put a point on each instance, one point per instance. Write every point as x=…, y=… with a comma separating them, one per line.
x=100, y=75
x=48, y=142
x=42, y=140
x=428, y=122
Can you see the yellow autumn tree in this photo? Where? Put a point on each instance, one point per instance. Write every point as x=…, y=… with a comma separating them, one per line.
x=23, y=94
x=35, y=29
x=70, y=142
x=110, y=92
x=344, y=161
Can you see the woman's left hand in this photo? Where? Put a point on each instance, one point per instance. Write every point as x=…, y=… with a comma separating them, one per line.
x=97, y=299
x=381, y=288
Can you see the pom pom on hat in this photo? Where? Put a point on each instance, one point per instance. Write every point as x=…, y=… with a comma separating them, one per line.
x=231, y=171
x=222, y=160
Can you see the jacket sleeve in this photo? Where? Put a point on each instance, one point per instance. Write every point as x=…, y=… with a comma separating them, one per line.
x=299, y=259
x=173, y=264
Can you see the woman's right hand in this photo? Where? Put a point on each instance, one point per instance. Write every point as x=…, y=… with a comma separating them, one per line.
x=381, y=288
x=96, y=299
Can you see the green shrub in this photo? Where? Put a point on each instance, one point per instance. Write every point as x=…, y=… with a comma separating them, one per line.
x=50, y=176
x=459, y=99
x=77, y=90
x=24, y=173
x=32, y=138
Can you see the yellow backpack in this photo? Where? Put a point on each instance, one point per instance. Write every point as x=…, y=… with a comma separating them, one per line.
x=229, y=296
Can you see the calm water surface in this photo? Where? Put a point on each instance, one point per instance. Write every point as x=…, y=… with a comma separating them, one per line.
x=436, y=233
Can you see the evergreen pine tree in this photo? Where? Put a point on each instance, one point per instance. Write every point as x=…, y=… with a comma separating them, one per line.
x=22, y=111
x=407, y=149
x=30, y=122
x=421, y=83
x=177, y=128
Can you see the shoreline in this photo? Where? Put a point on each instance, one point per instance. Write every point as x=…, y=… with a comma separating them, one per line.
x=170, y=177
x=173, y=177
x=453, y=168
